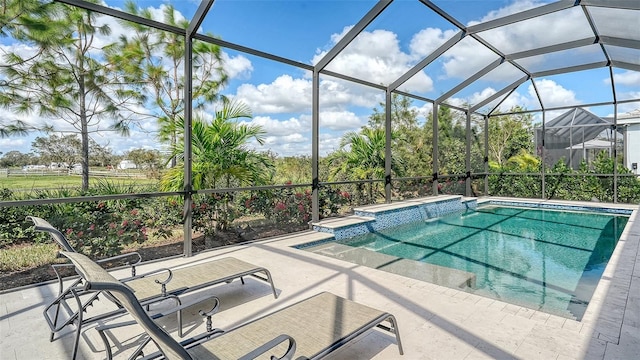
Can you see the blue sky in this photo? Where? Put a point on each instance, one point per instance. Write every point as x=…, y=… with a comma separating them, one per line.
x=304, y=30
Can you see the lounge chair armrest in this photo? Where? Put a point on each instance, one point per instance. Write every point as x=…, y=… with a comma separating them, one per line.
x=288, y=355
x=124, y=256
x=162, y=283
x=210, y=313
x=55, y=268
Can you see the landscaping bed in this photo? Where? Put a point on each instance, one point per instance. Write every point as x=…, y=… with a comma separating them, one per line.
x=150, y=250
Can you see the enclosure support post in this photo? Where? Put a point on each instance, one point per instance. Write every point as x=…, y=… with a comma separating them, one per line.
x=188, y=200
x=435, y=148
x=387, y=148
x=615, y=152
x=542, y=162
x=315, y=148
x=467, y=159
x=486, y=155
x=194, y=24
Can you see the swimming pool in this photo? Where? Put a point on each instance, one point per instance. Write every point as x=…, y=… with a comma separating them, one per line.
x=543, y=259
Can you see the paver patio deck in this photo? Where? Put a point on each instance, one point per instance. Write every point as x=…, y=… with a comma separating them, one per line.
x=435, y=322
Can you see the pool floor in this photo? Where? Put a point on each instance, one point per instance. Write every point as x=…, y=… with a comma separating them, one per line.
x=542, y=259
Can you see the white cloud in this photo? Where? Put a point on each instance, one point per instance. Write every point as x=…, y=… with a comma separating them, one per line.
x=482, y=95
x=158, y=13
x=274, y=127
x=237, y=67
x=562, y=26
x=376, y=56
x=135, y=140
x=293, y=135
x=340, y=120
x=425, y=41
x=293, y=95
x=553, y=95
x=517, y=99
x=629, y=78
x=22, y=144
x=20, y=49
x=328, y=143
x=286, y=140
x=336, y=94
x=424, y=111
x=632, y=106
x=513, y=8
x=466, y=58
x=284, y=94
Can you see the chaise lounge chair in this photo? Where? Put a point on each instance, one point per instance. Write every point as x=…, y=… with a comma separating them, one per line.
x=152, y=287
x=309, y=329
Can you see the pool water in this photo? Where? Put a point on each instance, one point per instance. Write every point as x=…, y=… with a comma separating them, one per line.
x=542, y=259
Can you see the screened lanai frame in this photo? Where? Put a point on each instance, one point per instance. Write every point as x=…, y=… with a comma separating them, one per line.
x=608, y=41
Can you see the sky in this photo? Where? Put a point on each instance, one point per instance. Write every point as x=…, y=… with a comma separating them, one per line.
x=407, y=31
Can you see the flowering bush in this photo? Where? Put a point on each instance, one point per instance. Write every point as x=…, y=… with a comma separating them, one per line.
x=452, y=187
x=293, y=206
x=163, y=215
x=331, y=201
x=105, y=229
x=213, y=213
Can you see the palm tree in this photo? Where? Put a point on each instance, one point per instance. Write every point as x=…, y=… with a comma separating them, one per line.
x=220, y=157
x=362, y=157
x=220, y=153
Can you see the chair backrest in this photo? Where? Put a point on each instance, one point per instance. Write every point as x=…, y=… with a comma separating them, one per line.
x=99, y=279
x=43, y=225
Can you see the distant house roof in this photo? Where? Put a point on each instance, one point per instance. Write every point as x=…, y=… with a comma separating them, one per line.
x=593, y=144
x=577, y=123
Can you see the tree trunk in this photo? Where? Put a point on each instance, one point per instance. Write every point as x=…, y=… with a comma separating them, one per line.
x=84, y=133
x=174, y=162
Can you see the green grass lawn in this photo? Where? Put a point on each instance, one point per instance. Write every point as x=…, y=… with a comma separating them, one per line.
x=63, y=181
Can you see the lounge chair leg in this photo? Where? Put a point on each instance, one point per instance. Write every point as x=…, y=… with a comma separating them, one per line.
x=242, y=280
x=273, y=288
x=107, y=345
x=78, y=325
x=55, y=322
x=394, y=325
x=179, y=322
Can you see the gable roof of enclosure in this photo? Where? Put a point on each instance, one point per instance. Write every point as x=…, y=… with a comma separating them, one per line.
x=598, y=35
x=577, y=123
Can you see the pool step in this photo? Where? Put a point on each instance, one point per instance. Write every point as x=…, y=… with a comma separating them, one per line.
x=440, y=275
x=344, y=227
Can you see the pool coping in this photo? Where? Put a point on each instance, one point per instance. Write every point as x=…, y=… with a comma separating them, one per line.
x=607, y=308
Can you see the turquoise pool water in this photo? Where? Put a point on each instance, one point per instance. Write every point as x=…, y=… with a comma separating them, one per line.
x=542, y=259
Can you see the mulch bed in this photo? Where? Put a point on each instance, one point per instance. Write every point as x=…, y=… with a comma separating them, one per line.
x=170, y=247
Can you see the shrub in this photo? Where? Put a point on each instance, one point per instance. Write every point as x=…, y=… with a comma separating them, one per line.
x=213, y=213
x=104, y=228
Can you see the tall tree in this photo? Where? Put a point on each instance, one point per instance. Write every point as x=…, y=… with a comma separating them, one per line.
x=451, y=140
x=70, y=80
x=412, y=145
x=59, y=149
x=154, y=59
x=509, y=135
x=26, y=21
x=68, y=149
x=15, y=159
x=403, y=116
x=145, y=158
